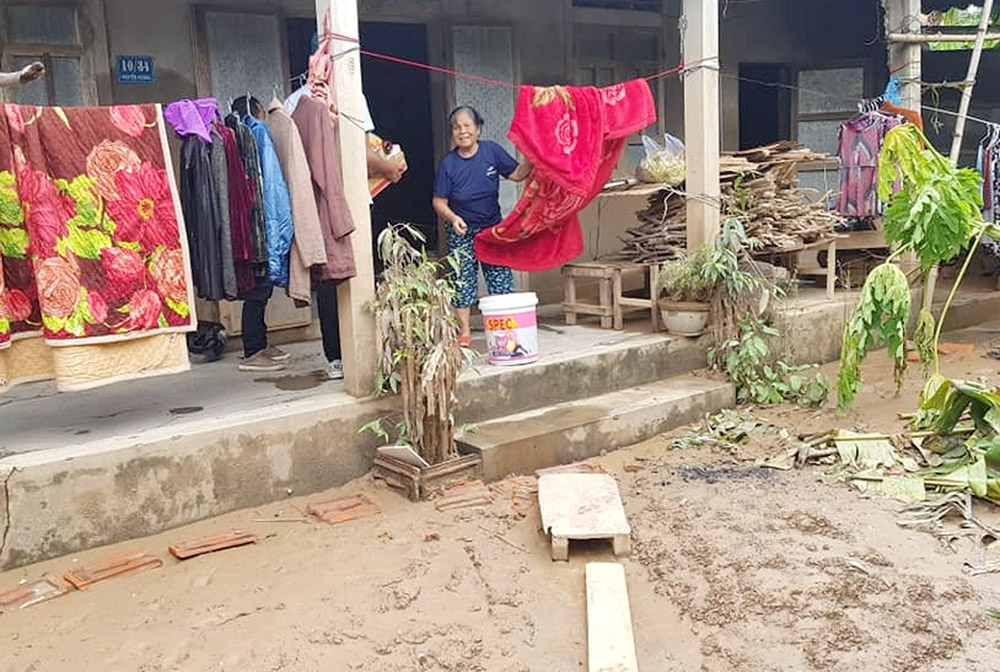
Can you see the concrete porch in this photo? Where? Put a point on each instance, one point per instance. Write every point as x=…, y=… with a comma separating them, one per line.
x=129, y=460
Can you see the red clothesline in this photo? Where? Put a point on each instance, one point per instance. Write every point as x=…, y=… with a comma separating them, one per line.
x=487, y=80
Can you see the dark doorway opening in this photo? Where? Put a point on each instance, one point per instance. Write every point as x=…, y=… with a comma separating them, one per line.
x=399, y=98
x=765, y=104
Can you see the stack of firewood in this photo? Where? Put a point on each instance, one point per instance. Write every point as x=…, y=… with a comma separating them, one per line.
x=758, y=186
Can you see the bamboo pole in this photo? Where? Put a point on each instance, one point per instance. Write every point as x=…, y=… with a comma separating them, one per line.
x=970, y=80
x=923, y=38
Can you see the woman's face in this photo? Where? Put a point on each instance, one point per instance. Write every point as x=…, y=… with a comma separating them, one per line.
x=464, y=131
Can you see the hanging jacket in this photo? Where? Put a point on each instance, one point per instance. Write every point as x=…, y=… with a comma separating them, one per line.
x=200, y=204
x=220, y=171
x=247, y=147
x=308, y=247
x=240, y=211
x=321, y=141
x=277, y=204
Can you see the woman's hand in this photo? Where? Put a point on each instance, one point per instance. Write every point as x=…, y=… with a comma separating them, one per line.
x=459, y=226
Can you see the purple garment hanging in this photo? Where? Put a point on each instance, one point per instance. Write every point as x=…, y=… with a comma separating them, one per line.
x=193, y=117
x=860, y=144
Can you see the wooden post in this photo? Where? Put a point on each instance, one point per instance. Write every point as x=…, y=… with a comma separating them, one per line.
x=357, y=324
x=905, y=63
x=699, y=25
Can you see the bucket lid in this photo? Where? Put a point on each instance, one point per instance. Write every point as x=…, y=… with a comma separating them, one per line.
x=504, y=302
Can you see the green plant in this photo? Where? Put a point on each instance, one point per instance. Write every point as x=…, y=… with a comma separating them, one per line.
x=734, y=289
x=418, y=352
x=880, y=319
x=683, y=279
x=934, y=213
x=759, y=376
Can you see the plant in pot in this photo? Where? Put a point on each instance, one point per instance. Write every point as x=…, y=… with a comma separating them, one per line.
x=687, y=292
x=419, y=358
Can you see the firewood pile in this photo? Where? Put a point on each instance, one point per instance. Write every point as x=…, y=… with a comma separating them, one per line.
x=759, y=186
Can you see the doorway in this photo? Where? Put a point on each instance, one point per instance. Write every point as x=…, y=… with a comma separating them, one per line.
x=765, y=104
x=399, y=98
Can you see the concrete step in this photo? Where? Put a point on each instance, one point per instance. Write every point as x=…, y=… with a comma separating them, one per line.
x=581, y=363
x=577, y=430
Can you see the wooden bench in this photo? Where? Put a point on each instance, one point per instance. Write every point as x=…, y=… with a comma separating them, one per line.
x=612, y=302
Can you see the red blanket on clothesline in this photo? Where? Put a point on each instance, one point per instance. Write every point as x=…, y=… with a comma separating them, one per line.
x=574, y=137
x=92, y=247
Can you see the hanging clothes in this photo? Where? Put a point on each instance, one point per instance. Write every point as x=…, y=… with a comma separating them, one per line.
x=860, y=143
x=277, y=204
x=912, y=116
x=192, y=117
x=200, y=203
x=321, y=141
x=240, y=198
x=247, y=146
x=308, y=247
x=220, y=173
x=574, y=137
x=97, y=285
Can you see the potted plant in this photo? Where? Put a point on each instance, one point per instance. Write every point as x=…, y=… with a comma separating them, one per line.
x=420, y=359
x=687, y=292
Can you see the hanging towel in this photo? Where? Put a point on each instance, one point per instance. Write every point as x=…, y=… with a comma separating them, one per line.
x=96, y=264
x=308, y=248
x=192, y=117
x=574, y=137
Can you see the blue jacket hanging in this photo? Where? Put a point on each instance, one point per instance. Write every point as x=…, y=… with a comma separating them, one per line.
x=277, y=204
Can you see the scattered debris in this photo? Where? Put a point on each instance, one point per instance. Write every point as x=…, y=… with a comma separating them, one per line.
x=634, y=468
x=343, y=509
x=610, y=641
x=582, y=506
x=522, y=492
x=121, y=564
x=34, y=592
x=728, y=430
x=500, y=537
x=464, y=495
x=432, y=536
x=196, y=547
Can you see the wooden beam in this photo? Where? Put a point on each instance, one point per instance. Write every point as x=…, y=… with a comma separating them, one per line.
x=357, y=325
x=699, y=26
x=610, y=642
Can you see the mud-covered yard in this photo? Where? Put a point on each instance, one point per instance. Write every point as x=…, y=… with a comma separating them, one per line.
x=733, y=567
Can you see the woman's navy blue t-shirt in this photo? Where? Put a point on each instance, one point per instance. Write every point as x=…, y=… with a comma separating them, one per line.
x=472, y=185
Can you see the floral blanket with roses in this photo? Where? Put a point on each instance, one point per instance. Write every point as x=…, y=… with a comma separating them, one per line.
x=574, y=137
x=91, y=242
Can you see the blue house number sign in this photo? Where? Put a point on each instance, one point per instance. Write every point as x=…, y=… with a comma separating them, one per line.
x=136, y=70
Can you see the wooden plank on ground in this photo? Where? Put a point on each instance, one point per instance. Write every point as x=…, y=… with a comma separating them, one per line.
x=218, y=542
x=610, y=642
x=121, y=564
x=342, y=509
x=34, y=592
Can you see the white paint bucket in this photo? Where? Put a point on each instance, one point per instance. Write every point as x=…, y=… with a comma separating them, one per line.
x=511, y=323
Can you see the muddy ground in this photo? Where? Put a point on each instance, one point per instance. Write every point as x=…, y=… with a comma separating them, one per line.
x=733, y=567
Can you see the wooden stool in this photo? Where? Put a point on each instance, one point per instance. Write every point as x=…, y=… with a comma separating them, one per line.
x=612, y=304
x=807, y=264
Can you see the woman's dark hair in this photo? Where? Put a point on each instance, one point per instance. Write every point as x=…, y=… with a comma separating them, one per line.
x=476, y=117
x=247, y=107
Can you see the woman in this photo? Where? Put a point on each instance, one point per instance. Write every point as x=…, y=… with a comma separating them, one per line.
x=467, y=197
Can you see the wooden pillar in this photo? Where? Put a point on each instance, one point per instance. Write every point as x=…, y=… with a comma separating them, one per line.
x=357, y=324
x=901, y=16
x=699, y=25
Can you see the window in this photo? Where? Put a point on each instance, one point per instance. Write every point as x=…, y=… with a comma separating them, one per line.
x=606, y=55
x=825, y=99
x=635, y=5
x=50, y=34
